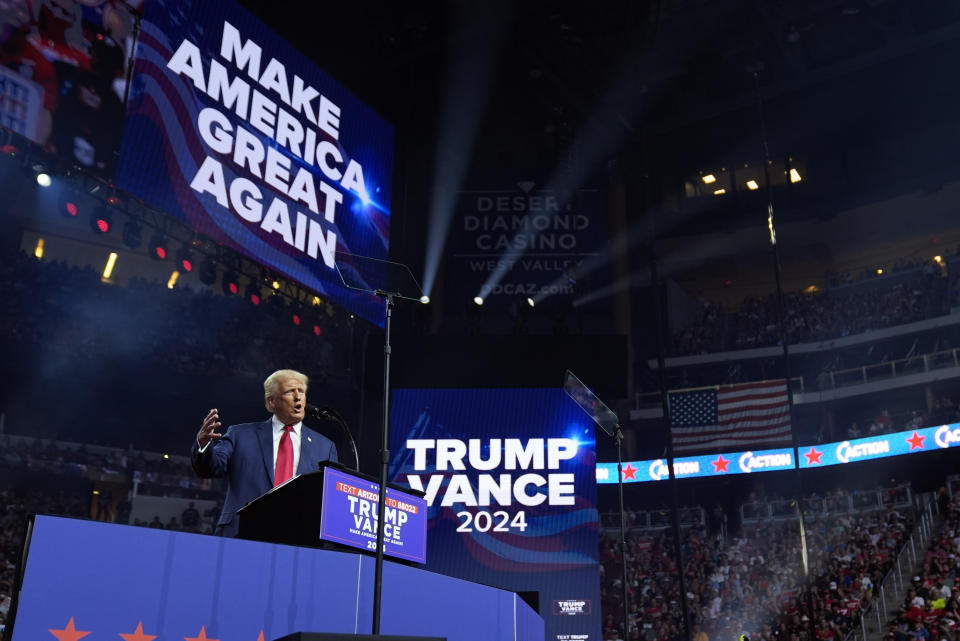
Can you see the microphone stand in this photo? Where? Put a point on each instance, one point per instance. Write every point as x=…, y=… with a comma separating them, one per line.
x=330, y=414
x=384, y=459
x=618, y=437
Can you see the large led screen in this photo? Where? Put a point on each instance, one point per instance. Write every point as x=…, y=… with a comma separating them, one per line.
x=509, y=476
x=232, y=130
x=63, y=76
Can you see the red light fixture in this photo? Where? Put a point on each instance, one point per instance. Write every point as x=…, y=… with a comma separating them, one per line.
x=317, y=330
x=255, y=299
x=158, y=247
x=229, y=283
x=296, y=320
x=185, y=258
x=101, y=221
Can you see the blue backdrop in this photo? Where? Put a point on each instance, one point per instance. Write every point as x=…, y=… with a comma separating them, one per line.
x=550, y=547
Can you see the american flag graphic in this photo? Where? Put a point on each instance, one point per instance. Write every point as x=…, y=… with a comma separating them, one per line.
x=741, y=416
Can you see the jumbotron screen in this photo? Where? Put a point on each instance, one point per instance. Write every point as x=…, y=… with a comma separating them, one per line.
x=236, y=133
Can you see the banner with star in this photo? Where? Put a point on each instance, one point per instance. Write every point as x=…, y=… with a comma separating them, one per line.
x=923, y=439
x=88, y=580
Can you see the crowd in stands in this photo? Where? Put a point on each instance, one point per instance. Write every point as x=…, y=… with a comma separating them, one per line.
x=152, y=474
x=56, y=310
x=16, y=505
x=943, y=411
x=931, y=607
x=753, y=583
x=904, y=295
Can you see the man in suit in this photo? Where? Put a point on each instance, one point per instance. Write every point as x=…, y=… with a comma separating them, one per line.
x=255, y=457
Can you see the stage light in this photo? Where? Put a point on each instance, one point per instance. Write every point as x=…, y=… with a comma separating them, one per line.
x=158, y=247
x=68, y=208
x=101, y=221
x=317, y=331
x=795, y=176
x=207, y=273
x=43, y=179
x=255, y=299
x=316, y=301
x=132, y=234
x=719, y=192
x=229, y=283
x=752, y=185
x=114, y=200
x=185, y=259
x=108, y=268
x=478, y=300
x=879, y=271
x=10, y=150
x=173, y=279
x=531, y=302
x=938, y=259
x=709, y=179
x=296, y=320
x=38, y=252
x=275, y=284
x=425, y=299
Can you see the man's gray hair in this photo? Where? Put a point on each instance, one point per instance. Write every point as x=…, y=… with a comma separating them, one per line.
x=270, y=385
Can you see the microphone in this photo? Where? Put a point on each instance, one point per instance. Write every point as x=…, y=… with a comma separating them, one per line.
x=330, y=414
x=319, y=412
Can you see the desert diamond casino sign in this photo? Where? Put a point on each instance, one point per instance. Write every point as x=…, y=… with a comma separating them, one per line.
x=509, y=477
x=233, y=131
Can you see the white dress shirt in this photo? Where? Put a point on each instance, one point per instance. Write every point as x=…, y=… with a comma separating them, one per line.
x=294, y=438
x=277, y=433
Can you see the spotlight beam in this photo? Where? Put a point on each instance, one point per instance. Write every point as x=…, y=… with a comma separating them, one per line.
x=596, y=140
x=475, y=49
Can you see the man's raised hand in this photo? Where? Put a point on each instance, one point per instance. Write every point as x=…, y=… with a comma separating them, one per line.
x=208, y=431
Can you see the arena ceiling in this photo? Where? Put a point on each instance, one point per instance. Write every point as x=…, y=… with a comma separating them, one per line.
x=672, y=84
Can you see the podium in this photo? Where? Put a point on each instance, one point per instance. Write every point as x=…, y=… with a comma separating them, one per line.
x=335, y=508
x=109, y=579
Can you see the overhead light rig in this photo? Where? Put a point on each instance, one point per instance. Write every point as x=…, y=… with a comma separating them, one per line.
x=174, y=232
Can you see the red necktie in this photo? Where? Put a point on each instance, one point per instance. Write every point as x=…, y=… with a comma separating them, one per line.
x=284, y=457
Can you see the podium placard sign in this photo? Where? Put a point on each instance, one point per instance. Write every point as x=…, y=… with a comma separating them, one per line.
x=349, y=517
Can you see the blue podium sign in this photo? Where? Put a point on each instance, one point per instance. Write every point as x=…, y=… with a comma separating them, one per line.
x=104, y=581
x=349, y=517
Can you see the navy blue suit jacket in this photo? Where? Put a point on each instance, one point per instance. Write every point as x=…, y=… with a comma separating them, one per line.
x=244, y=455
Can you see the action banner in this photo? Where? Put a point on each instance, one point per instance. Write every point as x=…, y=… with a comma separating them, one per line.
x=236, y=133
x=509, y=477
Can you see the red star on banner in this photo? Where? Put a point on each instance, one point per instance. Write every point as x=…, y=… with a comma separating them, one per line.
x=69, y=633
x=138, y=635
x=260, y=637
x=916, y=441
x=813, y=456
x=201, y=637
x=720, y=465
x=629, y=472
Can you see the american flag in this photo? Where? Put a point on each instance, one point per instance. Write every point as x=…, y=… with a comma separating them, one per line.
x=741, y=416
